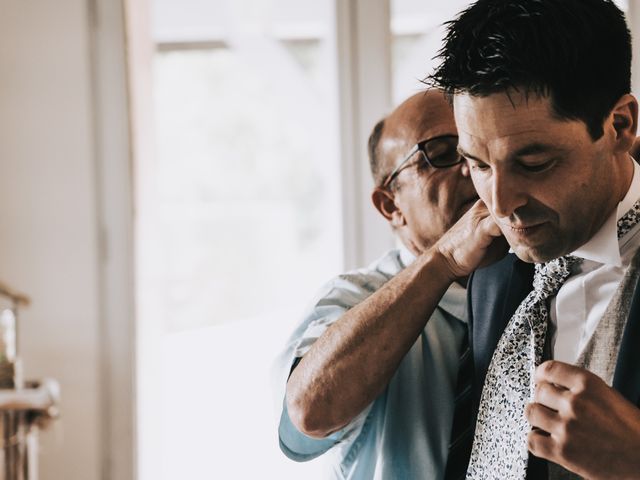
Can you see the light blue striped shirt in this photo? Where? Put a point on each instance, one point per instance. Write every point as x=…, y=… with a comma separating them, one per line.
x=404, y=433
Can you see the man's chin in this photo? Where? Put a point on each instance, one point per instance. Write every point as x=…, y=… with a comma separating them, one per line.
x=535, y=254
x=539, y=243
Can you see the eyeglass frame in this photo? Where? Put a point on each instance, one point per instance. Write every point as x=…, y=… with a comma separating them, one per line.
x=418, y=147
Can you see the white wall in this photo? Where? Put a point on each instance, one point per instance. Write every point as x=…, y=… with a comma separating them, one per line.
x=48, y=220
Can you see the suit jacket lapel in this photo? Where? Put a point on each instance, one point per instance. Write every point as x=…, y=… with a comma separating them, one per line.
x=494, y=294
x=627, y=375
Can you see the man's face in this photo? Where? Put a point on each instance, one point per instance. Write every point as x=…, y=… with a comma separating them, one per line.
x=547, y=184
x=431, y=199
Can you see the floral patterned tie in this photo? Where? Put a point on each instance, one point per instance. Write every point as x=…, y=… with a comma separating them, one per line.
x=500, y=444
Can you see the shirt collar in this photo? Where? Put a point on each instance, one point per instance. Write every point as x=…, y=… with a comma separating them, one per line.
x=604, y=247
x=406, y=257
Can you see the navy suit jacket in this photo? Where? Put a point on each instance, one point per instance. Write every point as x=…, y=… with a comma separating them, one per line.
x=494, y=294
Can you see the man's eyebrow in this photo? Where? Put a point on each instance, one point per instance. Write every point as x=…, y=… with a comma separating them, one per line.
x=531, y=149
x=535, y=149
x=465, y=154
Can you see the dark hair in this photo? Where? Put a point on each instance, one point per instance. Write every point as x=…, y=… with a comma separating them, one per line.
x=374, y=158
x=576, y=52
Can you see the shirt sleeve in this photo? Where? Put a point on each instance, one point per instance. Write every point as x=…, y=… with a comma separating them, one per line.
x=301, y=448
x=335, y=299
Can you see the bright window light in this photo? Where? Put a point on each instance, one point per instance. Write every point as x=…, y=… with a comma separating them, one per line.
x=246, y=225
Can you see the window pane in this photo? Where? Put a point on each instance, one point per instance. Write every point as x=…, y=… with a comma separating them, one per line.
x=247, y=223
x=246, y=219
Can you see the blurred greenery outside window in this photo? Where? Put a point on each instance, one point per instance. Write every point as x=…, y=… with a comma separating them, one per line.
x=244, y=175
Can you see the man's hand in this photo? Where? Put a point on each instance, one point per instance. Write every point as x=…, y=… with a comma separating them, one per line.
x=582, y=424
x=474, y=241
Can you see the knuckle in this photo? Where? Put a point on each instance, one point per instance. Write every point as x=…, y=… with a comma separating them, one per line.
x=530, y=412
x=562, y=438
x=543, y=391
x=549, y=366
x=583, y=382
x=574, y=406
x=539, y=444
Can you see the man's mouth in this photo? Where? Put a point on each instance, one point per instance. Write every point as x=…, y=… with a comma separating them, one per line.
x=523, y=230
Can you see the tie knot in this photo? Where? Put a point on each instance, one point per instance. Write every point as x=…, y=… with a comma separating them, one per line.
x=550, y=276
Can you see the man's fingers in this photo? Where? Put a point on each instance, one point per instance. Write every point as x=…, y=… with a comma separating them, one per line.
x=490, y=227
x=551, y=396
x=486, y=223
x=473, y=241
x=541, y=444
x=541, y=417
x=564, y=375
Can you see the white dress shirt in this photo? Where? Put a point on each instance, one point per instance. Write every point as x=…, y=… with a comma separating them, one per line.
x=583, y=299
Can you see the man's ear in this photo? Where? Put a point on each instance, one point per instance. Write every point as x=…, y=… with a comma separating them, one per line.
x=625, y=122
x=385, y=202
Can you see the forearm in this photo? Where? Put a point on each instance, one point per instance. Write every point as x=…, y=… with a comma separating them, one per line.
x=353, y=361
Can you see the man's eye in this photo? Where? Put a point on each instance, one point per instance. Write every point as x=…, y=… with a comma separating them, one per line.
x=538, y=167
x=474, y=165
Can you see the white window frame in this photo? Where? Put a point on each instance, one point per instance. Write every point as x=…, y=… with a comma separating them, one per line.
x=115, y=223
x=364, y=79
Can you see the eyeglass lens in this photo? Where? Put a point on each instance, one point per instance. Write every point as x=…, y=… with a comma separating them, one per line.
x=442, y=152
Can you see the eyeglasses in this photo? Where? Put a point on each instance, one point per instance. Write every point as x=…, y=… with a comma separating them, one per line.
x=438, y=152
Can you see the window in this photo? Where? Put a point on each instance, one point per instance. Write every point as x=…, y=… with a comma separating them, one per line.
x=246, y=224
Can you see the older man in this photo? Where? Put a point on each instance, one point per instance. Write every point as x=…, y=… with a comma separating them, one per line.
x=541, y=93
x=378, y=365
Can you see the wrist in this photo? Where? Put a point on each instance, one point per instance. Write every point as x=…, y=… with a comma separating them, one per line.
x=439, y=266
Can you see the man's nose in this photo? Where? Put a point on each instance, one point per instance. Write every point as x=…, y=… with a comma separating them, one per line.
x=507, y=195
